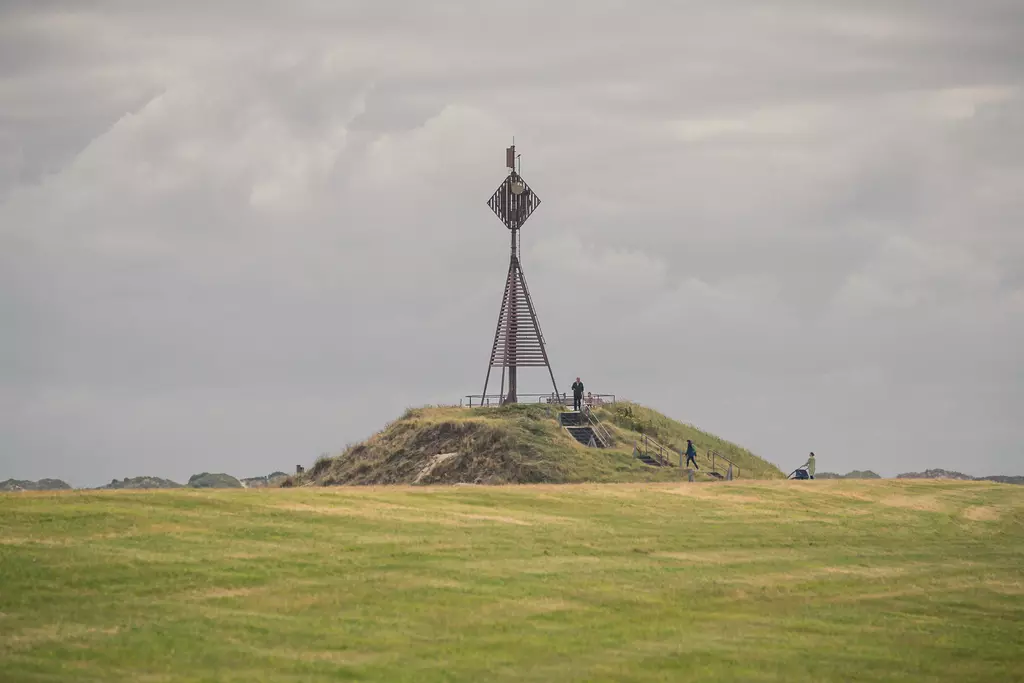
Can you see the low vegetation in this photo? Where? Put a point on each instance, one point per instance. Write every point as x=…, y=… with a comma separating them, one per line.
x=821, y=581
x=206, y=480
x=855, y=474
x=272, y=479
x=27, y=485
x=142, y=483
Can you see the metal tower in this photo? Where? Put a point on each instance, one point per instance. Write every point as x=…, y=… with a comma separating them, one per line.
x=518, y=341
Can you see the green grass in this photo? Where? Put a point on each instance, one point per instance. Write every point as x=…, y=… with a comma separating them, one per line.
x=520, y=444
x=633, y=419
x=752, y=581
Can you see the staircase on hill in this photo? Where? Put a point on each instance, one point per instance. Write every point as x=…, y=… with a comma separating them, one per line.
x=650, y=452
x=645, y=458
x=585, y=429
x=718, y=460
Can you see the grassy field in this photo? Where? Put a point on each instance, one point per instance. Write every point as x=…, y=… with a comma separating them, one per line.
x=753, y=581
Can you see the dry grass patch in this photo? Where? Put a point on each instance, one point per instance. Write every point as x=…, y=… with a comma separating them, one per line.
x=53, y=633
x=225, y=593
x=523, y=608
x=541, y=565
x=983, y=513
x=780, y=578
x=726, y=557
x=922, y=503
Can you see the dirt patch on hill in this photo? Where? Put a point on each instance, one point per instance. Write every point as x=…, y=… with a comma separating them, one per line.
x=433, y=463
x=521, y=448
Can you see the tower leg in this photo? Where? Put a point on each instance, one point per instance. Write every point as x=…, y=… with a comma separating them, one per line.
x=512, y=332
x=536, y=325
x=497, y=336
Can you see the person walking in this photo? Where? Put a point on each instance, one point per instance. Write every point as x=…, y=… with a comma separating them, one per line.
x=809, y=465
x=691, y=454
x=577, y=394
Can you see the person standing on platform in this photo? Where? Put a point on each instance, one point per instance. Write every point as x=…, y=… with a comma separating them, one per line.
x=577, y=394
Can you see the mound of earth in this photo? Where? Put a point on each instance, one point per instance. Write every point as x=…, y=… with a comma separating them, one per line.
x=517, y=444
x=41, y=485
x=206, y=480
x=142, y=483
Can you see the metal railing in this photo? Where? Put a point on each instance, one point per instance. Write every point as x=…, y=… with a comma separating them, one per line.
x=661, y=453
x=598, y=426
x=654, y=450
x=714, y=456
x=494, y=400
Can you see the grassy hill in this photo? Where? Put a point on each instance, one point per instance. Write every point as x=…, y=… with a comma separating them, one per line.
x=515, y=444
x=819, y=581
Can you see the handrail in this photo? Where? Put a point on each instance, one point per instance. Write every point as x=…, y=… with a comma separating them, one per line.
x=597, y=426
x=712, y=455
x=652, y=446
x=658, y=450
x=494, y=400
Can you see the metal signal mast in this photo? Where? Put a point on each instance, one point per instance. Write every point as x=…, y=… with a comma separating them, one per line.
x=518, y=341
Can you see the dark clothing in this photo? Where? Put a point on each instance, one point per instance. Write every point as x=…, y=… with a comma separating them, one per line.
x=691, y=455
x=577, y=395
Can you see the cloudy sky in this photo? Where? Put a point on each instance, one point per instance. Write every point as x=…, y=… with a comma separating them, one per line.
x=236, y=235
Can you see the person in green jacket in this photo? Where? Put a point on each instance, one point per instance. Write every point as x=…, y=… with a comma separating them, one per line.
x=691, y=454
x=810, y=465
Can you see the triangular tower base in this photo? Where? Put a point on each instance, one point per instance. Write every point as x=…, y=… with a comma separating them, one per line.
x=518, y=340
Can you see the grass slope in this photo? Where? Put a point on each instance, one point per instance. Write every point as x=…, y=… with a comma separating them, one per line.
x=514, y=444
x=754, y=581
x=633, y=419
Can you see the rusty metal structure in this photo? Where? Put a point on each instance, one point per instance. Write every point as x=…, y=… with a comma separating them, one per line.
x=518, y=340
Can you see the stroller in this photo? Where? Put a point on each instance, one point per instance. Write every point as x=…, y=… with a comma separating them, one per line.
x=800, y=473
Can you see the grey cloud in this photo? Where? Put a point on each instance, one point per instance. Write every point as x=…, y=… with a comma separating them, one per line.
x=236, y=236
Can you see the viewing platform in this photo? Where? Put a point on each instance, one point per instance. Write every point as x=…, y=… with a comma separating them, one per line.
x=494, y=400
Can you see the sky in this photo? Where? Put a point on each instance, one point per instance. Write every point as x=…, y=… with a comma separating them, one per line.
x=237, y=235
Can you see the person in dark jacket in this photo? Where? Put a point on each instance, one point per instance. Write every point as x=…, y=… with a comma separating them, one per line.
x=691, y=454
x=577, y=394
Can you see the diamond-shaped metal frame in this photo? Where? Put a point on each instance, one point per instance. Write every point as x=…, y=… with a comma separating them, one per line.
x=513, y=209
